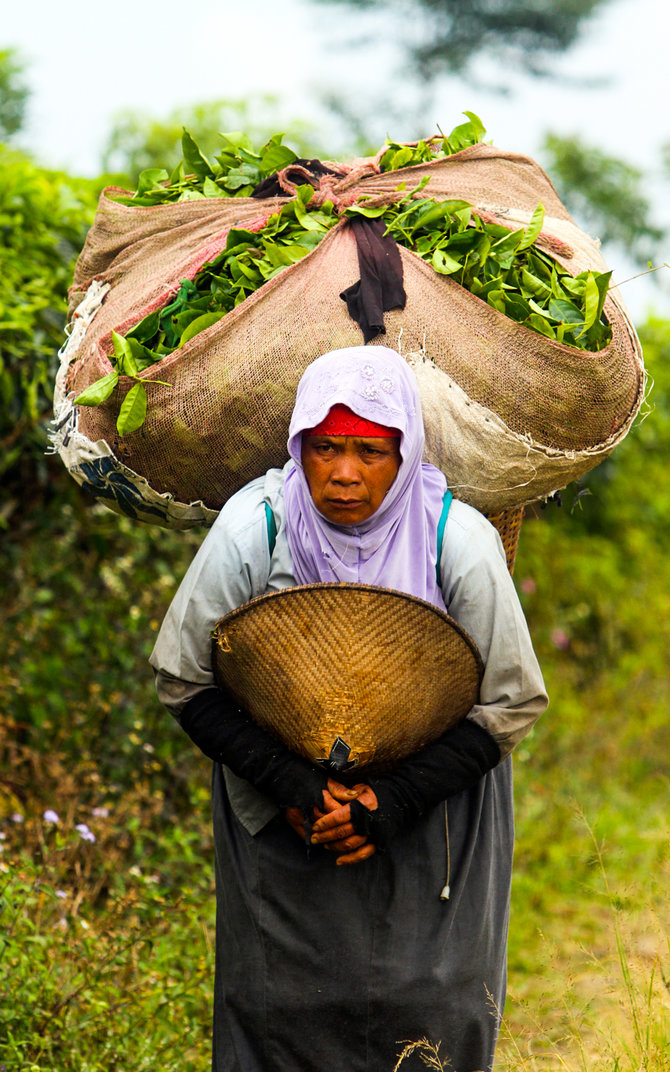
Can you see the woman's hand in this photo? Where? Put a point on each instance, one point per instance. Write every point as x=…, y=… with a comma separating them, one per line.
x=334, y=829
x=338, y=836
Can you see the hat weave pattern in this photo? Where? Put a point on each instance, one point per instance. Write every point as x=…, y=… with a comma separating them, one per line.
x=347, y=675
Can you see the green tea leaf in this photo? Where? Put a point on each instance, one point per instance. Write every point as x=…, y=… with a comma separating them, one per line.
x=191, y=195
x=307, y=219
x=496, y=299
x=149, y=179
x=146, y=328
x=193, y=159
x=444, y=264
x=276, y=156
x=534, y=227
x=591, y=302
x=602, y=283
x=538, y=323
x=566, y=312
x=507, y=246
x=517, y=309
x=244, y=175
x=211, y=189
x=125, y=359
x=199, y=324
x=143, y=358
x=97, y=392
x=532, y=285
x=466, y=134
x=574, y=286
x=133, y=410
x=401, y=158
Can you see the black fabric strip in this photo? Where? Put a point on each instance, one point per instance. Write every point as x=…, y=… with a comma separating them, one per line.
x=226, y=734
x=454, y=762
x=380, y=287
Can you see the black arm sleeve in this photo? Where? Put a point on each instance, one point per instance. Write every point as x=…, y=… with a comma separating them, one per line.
x=227, y=734
x=454, y=762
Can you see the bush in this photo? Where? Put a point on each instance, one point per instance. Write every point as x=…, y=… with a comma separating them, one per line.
x=44, y=216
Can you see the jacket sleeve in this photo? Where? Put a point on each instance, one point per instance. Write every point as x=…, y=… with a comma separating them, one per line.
x=230, y=567
x=479, y=593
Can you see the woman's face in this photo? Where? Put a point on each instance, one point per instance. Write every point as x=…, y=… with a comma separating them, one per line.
x=348, y=476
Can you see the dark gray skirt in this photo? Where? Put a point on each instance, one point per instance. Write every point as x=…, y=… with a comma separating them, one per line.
x=328, y=969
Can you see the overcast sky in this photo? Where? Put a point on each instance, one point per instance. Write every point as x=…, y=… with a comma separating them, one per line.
x=86, y=62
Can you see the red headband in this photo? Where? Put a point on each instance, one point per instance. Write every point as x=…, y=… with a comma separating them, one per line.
x=341, y=421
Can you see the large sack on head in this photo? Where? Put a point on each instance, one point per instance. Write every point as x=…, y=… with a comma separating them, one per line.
x=510, y=415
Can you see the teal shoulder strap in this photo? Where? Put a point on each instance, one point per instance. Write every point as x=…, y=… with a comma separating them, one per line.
x=271, y=526
x=441, y=525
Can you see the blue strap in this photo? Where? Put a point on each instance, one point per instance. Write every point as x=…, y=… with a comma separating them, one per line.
x=271, y=526
x=441, y=525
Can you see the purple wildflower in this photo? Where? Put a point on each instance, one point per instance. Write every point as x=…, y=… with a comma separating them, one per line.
x=84, y=832
x=51, y=816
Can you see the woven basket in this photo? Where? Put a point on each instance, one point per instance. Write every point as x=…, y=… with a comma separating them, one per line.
x=348, y=675
x=508, y=524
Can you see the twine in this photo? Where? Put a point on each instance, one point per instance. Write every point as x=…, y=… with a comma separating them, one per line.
x=339, y=189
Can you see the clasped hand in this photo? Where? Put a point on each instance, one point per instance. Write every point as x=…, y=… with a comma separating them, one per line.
x=333, y=828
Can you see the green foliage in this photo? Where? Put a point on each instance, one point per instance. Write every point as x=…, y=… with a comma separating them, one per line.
x=594, y=580
x=234, y=172
x=86, y=990
x=43, y=217
x=139, y=142
x=605, y=194
x=505, y=269
x=14, y=93
x=461, y=137
x=250, y=259
x=108, y=911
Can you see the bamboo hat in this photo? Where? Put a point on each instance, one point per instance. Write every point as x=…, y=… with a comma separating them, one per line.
x=347, y=675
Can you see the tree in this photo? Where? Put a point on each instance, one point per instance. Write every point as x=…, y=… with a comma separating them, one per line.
x=605, y=194
x=445, y=36
x=14, y=94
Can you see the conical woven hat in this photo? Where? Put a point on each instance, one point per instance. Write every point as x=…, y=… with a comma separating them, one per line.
x=348, y=675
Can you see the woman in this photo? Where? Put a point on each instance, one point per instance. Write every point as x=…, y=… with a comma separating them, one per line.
x=331, y=960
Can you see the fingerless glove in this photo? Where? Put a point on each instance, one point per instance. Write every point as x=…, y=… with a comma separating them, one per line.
x=227, y=734
x=454, y=762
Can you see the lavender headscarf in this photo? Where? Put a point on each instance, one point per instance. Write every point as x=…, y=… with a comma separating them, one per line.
x=397, y=546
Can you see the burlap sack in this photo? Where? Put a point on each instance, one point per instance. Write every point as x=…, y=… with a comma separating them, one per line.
x=510, y=415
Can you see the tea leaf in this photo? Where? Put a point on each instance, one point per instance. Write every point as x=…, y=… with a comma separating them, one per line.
x=534, y=227
x=193, y=159
x=199, y=324
x=97, y=392
x=444, y=264
x=133, y=410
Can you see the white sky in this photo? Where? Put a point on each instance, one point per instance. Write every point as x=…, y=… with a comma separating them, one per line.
x=88, y=61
